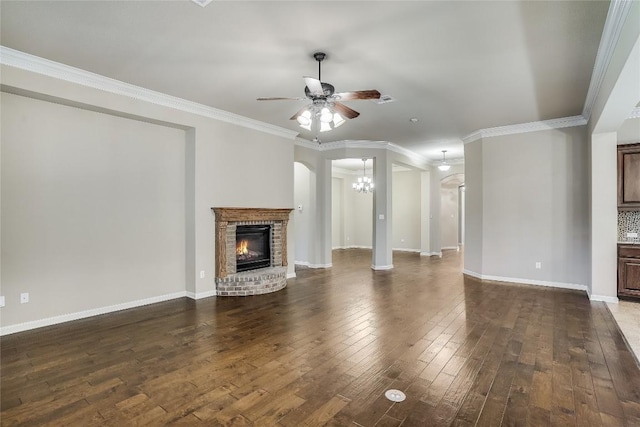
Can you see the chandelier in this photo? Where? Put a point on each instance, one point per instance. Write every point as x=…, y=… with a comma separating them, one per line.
x=444, y=166
x=364, y=183
x=321, y=114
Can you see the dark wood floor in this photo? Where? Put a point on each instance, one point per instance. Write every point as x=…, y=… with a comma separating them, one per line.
x=324, y=350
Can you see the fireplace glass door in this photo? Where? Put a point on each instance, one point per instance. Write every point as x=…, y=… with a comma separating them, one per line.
x=253, y=247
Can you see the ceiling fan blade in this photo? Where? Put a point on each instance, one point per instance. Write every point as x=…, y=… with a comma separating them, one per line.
x=281, y=99
x=314, y=85
x=358, y=94
x=345, y=111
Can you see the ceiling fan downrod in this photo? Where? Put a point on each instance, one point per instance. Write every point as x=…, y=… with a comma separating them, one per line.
x=319, y=56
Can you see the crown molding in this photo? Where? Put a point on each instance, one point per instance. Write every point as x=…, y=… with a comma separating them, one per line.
x=17, y=59
x=560, y=123
x=451, y=162
x=617, y=15
x=362, y=144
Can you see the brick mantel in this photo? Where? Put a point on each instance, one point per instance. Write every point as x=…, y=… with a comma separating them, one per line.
x=227, y=216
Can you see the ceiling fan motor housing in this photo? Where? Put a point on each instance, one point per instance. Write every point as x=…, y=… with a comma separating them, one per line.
x=327, y=89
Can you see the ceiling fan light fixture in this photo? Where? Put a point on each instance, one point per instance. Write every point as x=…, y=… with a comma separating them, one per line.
x=324, y=126
x=304, y=119
x=325, y=115
x=337, y=120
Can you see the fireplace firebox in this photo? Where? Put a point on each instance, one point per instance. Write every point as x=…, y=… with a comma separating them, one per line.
x=253, y=247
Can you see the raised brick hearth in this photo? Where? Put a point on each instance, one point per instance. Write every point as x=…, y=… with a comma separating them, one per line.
x=252, y=282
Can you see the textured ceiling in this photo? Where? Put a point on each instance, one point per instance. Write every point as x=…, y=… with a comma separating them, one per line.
x=455, y=66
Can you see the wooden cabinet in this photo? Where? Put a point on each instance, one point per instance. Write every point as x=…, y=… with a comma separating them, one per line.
x=629, y=176
x=629, y=270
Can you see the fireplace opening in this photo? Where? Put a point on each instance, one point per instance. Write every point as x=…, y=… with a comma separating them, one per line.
x=253, y=247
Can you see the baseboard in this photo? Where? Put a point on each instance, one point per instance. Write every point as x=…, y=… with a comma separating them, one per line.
x=450, y=248
x=309, y=265
x=49, y=321
x=406, y=250
x=200, y=295
x=381, y=267
x=438, y=254
x=291, y=275
x=472, y=274
x=603, y=298
x=521, y=281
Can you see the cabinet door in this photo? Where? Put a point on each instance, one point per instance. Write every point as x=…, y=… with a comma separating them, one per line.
x=629, y=277
x=629, y=175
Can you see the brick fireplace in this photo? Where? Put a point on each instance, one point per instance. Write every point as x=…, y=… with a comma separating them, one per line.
x=230, y=282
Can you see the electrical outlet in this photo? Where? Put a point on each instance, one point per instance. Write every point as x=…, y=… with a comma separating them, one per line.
x=202, y=274
x=24, y=297
x=538, y=264
x=1, y=301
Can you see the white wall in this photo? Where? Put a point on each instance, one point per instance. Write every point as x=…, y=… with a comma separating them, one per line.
x=337, y=212
x=302, y=220
x=530, y=194
x=474, y=212
x=406, y=205
x=629, y=133
x=93, y=209
x=360, y=224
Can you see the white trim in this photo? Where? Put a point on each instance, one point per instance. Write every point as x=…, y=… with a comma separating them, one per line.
x=308, y=264
x=406, y=250
x=15, y=58
x=450, y=248
x=617, y=15
x=200, y=295
x=450, y=162
x=381, y=267
x=560, y=123
x=517, y=280
x=20, y=327
x=635, y=113
x=291, y=275
x=603, y=298
x=363, y=144
x=472, y=274
x=438, y=254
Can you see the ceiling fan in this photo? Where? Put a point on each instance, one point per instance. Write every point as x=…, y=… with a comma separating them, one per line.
x=325, y=102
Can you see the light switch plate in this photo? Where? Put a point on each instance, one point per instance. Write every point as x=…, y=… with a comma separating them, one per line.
x=634, y=235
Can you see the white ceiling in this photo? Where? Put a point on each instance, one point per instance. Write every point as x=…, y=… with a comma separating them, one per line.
x=457, y=66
